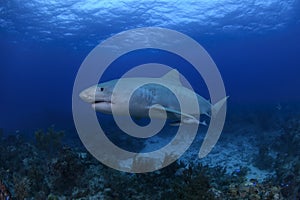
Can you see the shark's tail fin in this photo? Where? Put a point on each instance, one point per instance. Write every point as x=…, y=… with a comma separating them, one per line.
x=217, y=106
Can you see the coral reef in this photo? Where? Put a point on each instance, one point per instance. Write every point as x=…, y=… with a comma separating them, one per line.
x=287, y=163
x=21, y=187
x=71, y=173
x=67, y=168
x=4, y=193
x=49, y=141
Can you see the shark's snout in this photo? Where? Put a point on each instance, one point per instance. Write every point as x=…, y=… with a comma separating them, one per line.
x=87, y=96
x=98, y=98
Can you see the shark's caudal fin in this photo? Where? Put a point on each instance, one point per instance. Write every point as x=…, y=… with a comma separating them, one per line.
x=217, y=106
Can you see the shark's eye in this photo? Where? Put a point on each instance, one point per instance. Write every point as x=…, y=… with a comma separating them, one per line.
x=100, y=89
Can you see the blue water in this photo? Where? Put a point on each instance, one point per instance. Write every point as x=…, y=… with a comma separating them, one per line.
x=254, y=43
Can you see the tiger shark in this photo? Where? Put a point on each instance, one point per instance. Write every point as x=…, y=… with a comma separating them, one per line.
x=155, y=93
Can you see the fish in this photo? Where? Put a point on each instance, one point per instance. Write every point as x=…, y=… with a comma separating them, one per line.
x=140, y=94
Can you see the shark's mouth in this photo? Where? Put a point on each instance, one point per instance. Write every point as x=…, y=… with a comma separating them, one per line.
x=103, y=106
x=101, y=101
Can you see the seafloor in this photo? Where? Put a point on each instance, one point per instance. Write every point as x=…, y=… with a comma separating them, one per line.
x=257, y=157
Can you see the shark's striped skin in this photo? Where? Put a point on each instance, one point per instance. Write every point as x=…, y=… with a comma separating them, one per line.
x=154, y=92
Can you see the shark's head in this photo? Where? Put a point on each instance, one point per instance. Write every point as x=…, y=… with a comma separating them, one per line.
x=99, y=96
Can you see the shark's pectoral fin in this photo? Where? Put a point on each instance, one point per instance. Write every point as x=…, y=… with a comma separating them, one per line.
x=175, y=123
x=178, y=123
x=185, y=118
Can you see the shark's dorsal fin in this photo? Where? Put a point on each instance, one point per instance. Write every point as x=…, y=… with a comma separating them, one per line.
x=172, y=76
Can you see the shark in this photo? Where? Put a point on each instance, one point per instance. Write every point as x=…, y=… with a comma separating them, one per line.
x=155, y=93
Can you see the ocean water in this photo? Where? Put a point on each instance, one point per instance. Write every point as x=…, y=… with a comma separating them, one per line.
x=254, y=43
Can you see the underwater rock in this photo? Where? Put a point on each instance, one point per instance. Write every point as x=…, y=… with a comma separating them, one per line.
x=263, y=160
